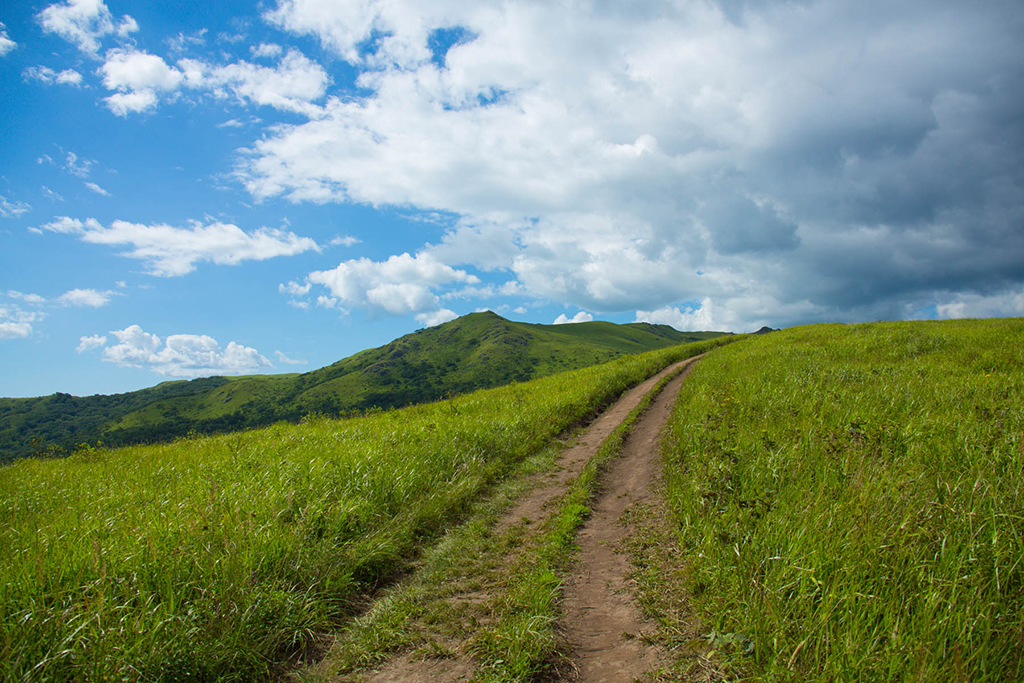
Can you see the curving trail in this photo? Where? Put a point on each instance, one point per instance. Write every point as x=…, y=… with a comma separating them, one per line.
x=598, y=605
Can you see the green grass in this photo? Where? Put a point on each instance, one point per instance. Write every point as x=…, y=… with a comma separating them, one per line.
x=476, y=351
x=850, y=501
x=224, y=558
x=513, y=575
x=524, y=642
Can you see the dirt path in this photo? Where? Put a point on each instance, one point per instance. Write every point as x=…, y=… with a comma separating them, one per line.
x=601, y=619
x=586, y=622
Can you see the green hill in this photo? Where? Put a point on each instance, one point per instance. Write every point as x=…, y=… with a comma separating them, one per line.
x=476, y=351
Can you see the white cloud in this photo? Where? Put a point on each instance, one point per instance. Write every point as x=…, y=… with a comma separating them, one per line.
x=520, y=310
x=402, y=284
x=168, y=251
x=141, y=79
x=33, y=299
x=134, y=102
x=90, y=298
x=330, y=302
x=437, y=317
x=182, y=42
x=181, y=355
x=88, y=343
x=580, y=317
x=84, y=23
x=71, y=226
x=294, y=288
x=692, y=318
x=137, y=77
x=288, y=361
x=836, y=159
x=1004, y=304
x=84, y=297
x=78, y=167
x=231, y=123
x=16, y=323
x=291, y=85
x=12, y=209
x=97, y=189
x=45, y=74
x=344, y=241
x=6, y=44
x=131, y=70
x=269, y=50
x=51, y=195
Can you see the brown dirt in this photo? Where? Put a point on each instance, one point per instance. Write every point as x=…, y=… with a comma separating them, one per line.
x=604, y=626
x=597, y=614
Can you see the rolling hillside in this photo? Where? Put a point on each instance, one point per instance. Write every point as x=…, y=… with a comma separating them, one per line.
x=476, y=351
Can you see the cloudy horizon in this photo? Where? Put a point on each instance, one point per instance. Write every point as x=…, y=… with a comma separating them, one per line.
x=188, y=192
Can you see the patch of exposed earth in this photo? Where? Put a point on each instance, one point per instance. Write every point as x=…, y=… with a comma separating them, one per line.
x=604, y=626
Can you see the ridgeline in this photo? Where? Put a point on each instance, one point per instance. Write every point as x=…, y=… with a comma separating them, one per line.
x=476, y=351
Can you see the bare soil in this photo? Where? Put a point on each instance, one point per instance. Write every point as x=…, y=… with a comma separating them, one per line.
x=602, y=621
x=599, y=609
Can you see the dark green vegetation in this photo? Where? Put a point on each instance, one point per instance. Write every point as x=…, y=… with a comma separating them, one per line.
x=225, y=557
x=477, y=351
x=850, y=502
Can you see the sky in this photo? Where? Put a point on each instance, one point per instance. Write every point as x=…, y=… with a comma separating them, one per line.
x=192, y=189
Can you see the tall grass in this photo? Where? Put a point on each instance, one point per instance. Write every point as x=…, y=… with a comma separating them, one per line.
x=852, y=501
x=220, y=558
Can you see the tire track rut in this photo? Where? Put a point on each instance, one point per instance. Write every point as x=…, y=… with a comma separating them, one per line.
x=598, y=605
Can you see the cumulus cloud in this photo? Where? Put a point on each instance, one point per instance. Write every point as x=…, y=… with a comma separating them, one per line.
x=293, y=84
x=135, y=102
x=141, y=80
x=294, y=288
x=48, y=76
x=16, y=323
x=437, y=317
x=580, y=317
x=169, y=251
x=84, y=23
x=687, y=319
x=831, y=159
x=12, y=208
x=400, y=285
x=126, y=70
x=6, y=44
x=180, y=355
x=92, y=342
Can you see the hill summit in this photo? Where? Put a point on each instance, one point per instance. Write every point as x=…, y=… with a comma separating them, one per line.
x=475, y=351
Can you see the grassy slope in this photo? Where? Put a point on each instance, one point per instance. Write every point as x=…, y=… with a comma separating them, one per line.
x=218, y=558
x=480, y=350
x=851, y=501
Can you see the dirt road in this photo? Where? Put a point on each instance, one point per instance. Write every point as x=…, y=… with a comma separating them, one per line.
x=601, y=619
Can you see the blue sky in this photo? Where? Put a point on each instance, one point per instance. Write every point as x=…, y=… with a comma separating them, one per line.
x=190, y=189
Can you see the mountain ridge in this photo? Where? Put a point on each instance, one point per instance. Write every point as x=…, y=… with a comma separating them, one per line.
x=476, y=351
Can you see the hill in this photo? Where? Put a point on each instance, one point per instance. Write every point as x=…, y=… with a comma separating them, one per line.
x=476, y=351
